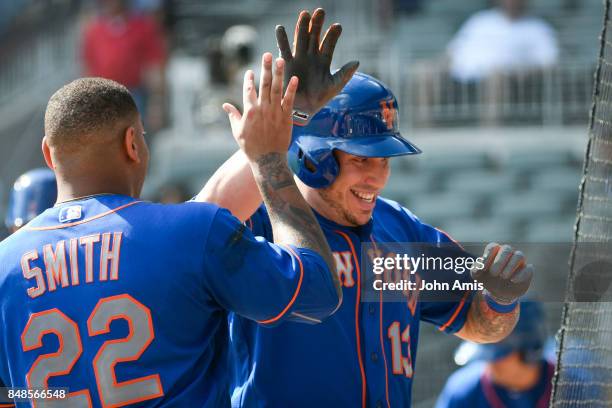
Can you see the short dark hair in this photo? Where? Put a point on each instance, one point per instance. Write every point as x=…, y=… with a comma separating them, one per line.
x=85, y=109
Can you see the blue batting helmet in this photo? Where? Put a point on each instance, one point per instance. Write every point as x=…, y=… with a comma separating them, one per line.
x=528, y=337
x=33, y=192
x=361, y=120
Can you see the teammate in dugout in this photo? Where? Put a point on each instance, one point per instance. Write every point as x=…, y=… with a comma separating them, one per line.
x=512, y=373
x=33, y=192
x=364, y=354
x=123, y=301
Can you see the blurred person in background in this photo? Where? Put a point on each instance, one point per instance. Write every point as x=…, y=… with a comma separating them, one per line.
x=238, y=46
x=504, y=39
x=227, y=58
x=130, y=48
x=32, y=193
x=490, y=52
x=512, y=373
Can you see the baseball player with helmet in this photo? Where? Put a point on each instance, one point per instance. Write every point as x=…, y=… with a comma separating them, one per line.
x=512, y=373
x=118, y=301
x=364, y=354
x=32, y=193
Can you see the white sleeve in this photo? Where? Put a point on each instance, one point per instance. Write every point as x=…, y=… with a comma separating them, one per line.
x=545, y=51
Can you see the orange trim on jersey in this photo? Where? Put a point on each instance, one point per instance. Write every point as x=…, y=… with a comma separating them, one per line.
x=363, y=376
x=7, y=405
x=71, y=224
x=382, y=343
x=297, y=290
x=449, y=237
x=456, y=313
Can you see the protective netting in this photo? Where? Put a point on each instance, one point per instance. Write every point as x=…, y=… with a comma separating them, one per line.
x=584, y=370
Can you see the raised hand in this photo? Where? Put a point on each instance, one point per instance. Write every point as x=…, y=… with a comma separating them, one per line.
x=310, y=61
x=505, y=275
x=263, y=132
x=265, y=126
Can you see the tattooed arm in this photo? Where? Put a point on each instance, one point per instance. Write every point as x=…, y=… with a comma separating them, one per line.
x=485, y=325
x=263, y=133
x=291, y=217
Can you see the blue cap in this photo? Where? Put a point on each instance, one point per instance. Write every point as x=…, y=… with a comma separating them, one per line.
x=361, y=120
x=32, y=193
x=528, y=337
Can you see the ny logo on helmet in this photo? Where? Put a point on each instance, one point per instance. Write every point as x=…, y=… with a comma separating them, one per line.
x=388, y=113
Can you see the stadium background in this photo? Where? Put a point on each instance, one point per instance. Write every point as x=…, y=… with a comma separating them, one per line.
x=515, y=180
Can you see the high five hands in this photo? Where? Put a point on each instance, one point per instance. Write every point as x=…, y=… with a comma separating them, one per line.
x=310, y=61
x=265, y=126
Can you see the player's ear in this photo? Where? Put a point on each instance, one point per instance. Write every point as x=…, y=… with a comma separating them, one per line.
x=130, y=145
x=47, y=153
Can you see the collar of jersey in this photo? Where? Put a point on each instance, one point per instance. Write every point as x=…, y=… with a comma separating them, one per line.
x=93, y=205
x=362, y=231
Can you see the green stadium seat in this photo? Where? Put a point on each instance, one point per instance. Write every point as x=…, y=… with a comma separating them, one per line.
x=559, y=180
x=551, y=230
x=451, y=161
x=535, y=159
x=488, y=230
x=480, y=182
x=435, y=208
x=527, y=206
x=402, y=187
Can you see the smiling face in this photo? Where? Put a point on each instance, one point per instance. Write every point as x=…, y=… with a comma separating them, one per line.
x=350, y=200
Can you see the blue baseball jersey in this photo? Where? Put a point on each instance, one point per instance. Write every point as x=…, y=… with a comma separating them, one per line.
x=364, y=354
x=125, y=302
x=471, y=386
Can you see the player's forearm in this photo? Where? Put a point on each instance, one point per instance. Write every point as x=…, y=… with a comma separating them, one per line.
x=292, y=219
x=233, y=187
x=485, y=325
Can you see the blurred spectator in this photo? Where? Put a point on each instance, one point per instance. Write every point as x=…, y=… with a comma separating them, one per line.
x=512, y=373
x=238, y=48
x=162, y=11
x=131, y=49
x=227, y=58
x=494, y=57
x=504, y=39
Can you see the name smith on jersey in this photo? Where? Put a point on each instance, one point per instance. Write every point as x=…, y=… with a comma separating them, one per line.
x=56, y=266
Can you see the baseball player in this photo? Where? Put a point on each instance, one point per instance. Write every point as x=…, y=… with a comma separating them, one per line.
x=32, y=193
x=511, y=373
x=364, y=354
x=119, y=301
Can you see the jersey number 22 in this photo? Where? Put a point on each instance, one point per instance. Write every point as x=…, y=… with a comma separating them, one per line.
x=112, y=393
